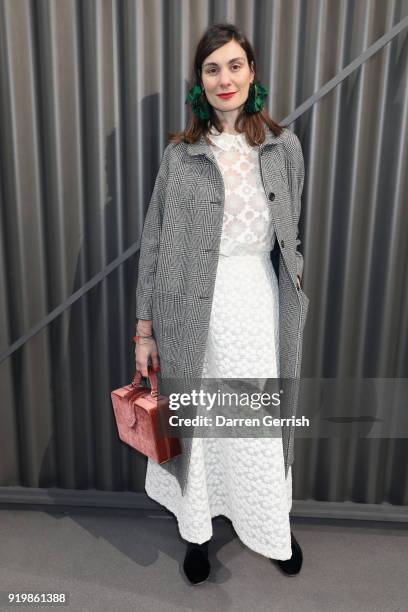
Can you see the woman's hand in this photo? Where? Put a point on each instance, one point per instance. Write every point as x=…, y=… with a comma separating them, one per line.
x=146, y=351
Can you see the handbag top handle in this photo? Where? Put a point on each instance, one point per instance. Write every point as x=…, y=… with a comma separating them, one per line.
x=152, y=380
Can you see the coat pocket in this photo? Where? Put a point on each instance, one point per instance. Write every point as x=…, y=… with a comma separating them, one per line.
x=304, y=303
x=207, y=190
x=169, y=315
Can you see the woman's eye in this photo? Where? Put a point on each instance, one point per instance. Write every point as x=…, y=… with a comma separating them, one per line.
x=212, y=70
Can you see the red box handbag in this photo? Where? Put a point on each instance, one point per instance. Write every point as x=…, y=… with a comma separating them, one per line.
x=137, y=410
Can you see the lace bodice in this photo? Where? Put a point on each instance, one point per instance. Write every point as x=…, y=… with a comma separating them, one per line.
x=247, y=224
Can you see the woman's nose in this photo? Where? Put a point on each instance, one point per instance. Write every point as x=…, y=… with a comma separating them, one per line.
x=224, y=79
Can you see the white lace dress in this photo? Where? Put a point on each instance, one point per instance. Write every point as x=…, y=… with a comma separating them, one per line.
x=240, y=478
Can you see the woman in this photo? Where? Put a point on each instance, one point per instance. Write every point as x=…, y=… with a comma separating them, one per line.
x=225, y=205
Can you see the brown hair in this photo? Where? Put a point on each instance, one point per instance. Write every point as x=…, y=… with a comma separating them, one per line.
x=252, y=124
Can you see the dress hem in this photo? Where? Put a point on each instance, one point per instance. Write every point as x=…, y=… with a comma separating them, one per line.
x=277, y=554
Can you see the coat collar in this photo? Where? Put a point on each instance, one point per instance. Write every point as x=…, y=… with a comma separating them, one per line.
x=201, y=147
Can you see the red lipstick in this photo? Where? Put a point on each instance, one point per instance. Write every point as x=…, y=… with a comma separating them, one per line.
x=226, y=96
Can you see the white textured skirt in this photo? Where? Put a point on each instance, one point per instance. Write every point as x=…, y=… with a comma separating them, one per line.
x=242, y=479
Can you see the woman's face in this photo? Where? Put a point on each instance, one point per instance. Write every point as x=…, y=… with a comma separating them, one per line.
x=226, y=70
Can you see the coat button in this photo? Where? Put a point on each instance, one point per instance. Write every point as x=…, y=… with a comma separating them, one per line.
x=282, y=243
x=271, y=196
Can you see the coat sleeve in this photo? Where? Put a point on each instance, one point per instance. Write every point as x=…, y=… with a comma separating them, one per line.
x=150, y=241
x=298, y=175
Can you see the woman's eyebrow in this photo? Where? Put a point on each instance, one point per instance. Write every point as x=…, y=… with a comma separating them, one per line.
x=215, y=64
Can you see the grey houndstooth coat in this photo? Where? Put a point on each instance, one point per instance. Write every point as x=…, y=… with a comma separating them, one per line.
x=178, y=264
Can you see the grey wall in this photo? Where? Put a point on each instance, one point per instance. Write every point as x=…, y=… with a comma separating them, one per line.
x=88, y=91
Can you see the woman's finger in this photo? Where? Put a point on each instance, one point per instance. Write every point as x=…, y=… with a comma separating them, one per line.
x=155, y=361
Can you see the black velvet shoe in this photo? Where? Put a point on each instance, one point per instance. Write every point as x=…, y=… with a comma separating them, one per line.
x=196, y=565
x=291, y=566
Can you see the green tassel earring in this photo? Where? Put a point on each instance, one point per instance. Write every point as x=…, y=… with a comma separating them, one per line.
x=256, y=94
x=200, y=107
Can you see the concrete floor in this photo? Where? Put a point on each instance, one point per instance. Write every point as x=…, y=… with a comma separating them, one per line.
x=123, y=560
